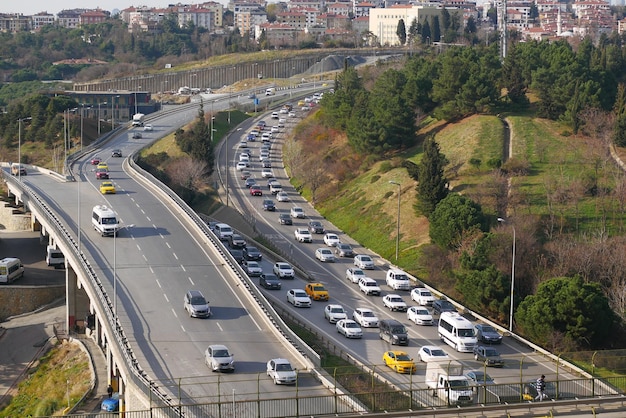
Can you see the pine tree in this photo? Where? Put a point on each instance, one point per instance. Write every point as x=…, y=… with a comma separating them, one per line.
x=432, y=186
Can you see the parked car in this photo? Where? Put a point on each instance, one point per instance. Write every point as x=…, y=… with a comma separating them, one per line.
x=334, y=313
x=252, y=253
x=431, y=353
x=488, y=356
x=252, y=268
x=283, y=270
x=298, y=298
x=281, y=372
x=487, y=334
x=365, y=317
x=331, y=239
x=419, y=315
x=269, y=281
x=394, y=303
x=219, y=359
x=324, y=255
x=363, y=261
x=422, y=296
x=316, y=227
x=284, y=219
x=344, y=250
x=349, y=328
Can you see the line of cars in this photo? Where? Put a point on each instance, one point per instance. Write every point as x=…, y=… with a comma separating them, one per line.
x=102, y=172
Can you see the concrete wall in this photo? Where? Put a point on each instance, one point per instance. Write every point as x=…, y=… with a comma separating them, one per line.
x=17, y=300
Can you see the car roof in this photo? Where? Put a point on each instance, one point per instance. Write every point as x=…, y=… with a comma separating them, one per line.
x=218, y=347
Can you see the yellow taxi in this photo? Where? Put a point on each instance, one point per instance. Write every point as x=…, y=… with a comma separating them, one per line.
x=316, y=291
x=103, y=165
x=107, y=187
x=399, y=361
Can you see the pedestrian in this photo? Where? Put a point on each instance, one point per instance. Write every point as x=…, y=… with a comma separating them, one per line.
x=541, y=387
x=110, y=391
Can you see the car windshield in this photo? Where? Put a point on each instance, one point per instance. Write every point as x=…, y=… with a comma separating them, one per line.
x=252, y=250
x=403, y=357
x=326, y=252
x=396, y=300
x=300, y=294
x=488, y=329
x=368, y=283
x=458, y=384
x=365, y=258
x=368, y=314
x=198, y=300
x=283, y=367
x=351, y=325
x=466, y=332
x=401, y=277
x=399, y=330
x=318, y=288
x=337, y=310
x=438, y=353
x=221, y=353
x=425, y=293
x=422, y=311
x=253, y=264
x=108, y=221
x=490, y=352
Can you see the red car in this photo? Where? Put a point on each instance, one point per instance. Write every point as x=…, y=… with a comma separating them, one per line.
x=95, y=160
x=255, y=190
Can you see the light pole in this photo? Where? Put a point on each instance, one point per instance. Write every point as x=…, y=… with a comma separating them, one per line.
x=136, y=99
x=19, y=146
x=502, y=220
x=227, y=137
x=398, y=222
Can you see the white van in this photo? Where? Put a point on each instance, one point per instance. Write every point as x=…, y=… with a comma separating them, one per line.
x=54, y=257
x=223, y=231
x=104, y=220
x=457, y=332
x=10, y=269
x=270, y=91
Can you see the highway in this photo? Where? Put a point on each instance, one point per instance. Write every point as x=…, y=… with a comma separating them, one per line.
x=156, y=258
x=522, y=363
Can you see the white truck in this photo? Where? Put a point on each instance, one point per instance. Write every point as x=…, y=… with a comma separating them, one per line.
x=448, y=383
x=138, y=119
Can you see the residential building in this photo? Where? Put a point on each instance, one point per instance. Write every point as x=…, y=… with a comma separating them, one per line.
x=246, y=21
x=70, y=18
x=14, y=22
x=42, y=19
x=294, y=19
x=93, y=16
x=384, y=22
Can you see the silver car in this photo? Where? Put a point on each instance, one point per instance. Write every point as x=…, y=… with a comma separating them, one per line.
x=219, y=359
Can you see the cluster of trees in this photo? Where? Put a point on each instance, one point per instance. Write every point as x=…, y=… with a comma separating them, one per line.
x=432, y=29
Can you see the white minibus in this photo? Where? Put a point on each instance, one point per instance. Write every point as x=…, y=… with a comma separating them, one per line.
x=457, y=332
x=10, y=269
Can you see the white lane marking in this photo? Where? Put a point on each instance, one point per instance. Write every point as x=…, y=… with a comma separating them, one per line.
x=138, y=247
x=168, y=245
x=175, y=256
x=191, y=281
x=183, y=328
x=148, y=218
x=183, y=267
x=161, y=235
x=144, y=257
x=159, y=284
x=166, y=298
x=219, y=326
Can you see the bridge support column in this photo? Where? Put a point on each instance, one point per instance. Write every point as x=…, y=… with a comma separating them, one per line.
x=71, y=285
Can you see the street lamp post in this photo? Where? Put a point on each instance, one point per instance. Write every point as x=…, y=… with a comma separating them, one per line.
x=398, y=221
x=227, y=137
x=502, y=220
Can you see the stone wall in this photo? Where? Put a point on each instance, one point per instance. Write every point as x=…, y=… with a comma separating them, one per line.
x=17, y=300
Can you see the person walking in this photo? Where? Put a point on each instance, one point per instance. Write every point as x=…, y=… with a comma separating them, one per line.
x=541, y=388
x=110, y=391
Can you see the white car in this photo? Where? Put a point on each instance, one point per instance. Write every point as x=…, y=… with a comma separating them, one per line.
x=282, y=197
x=365, y=317
x=148, y=128
x=431, y=353
x=297, y=212
x=275, y=129
x=394, y=303
x=283, y=270
x=354, y=274
x=364, y=261
x=219, y=359
x=369, y=286
x=292, y=114
x=331, y=239
x=264, y=155
x=298, y=298
x=419, y=315
x=324, y=255
x=303, y=235
x=281, y=372
x=275, y=115
x=349, y=328
x=267, y=173
x=422, y=296
x=398, y=280
x=254, y=132
x=334, y=313
x=241, y=165
x=245, y=157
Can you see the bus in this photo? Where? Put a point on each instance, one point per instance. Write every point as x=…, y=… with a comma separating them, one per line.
x=457, y=332
x=10, y=269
